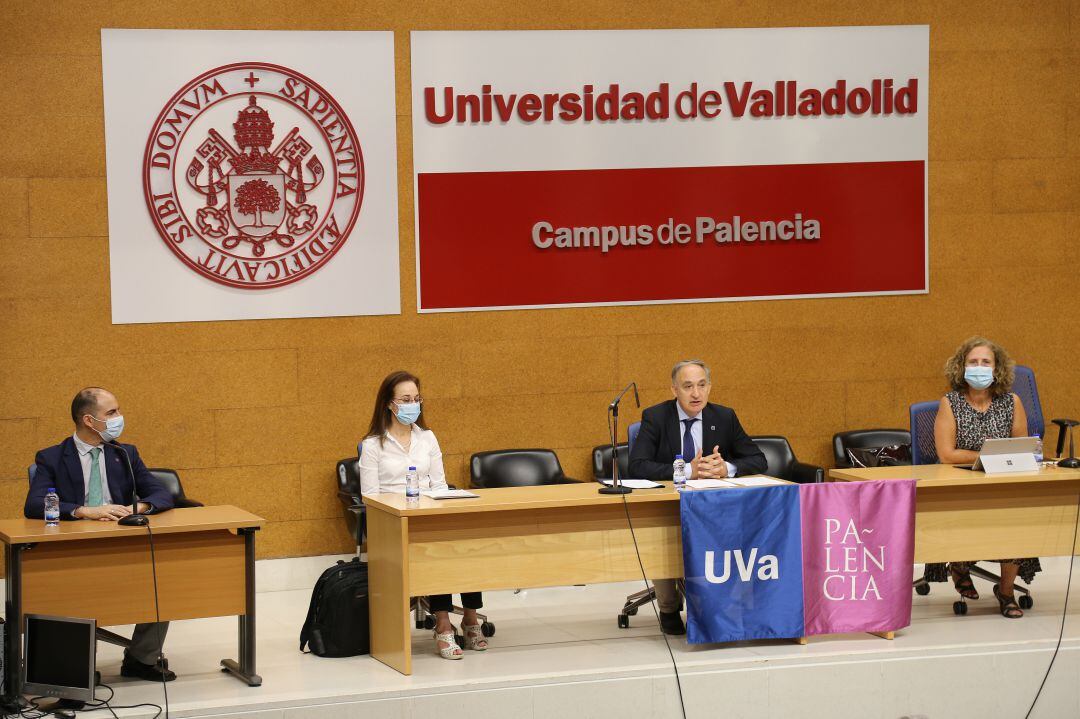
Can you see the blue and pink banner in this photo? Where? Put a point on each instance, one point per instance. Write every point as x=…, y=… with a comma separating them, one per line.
x=798, y=560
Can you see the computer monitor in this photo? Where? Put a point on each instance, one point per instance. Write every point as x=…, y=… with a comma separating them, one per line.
x=59, y=656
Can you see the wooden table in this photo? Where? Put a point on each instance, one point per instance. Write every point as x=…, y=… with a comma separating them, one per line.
x=205, y=561
x=961, y=514
x=509, y=538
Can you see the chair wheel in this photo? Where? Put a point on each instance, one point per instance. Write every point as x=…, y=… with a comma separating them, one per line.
x=487, y=629
x=428, y=623
x=624, y=621
x=1025, y=601
x=959, y=608
x=922, y=590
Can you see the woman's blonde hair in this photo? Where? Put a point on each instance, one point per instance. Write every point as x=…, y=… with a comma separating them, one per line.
x=1004, y=372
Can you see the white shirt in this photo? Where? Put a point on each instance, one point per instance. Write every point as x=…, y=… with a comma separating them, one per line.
x=84, y=459
x=695, y=432
x=383, y=464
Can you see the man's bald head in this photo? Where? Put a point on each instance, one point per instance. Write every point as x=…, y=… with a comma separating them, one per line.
x=87, y=402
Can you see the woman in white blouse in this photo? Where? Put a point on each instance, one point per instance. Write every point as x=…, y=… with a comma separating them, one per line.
x=397, y=439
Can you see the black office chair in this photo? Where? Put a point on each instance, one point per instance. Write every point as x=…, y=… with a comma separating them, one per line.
x=516, y=468
x=348, y=492
x=601, y=461
x=171, y=481
x=782, y=463
x=868, y=439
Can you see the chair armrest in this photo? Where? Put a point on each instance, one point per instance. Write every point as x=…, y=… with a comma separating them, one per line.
x=359, y=511
x=807, y=473
x=566, y=480
x=348, y=499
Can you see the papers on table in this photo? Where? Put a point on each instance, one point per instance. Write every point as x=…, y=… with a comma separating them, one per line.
x=635, y=483
x=709, y=484
x=756, y=480
x=448, y=494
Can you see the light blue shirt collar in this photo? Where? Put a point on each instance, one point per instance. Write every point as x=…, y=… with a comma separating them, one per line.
x=82, y=447
x=682, y=413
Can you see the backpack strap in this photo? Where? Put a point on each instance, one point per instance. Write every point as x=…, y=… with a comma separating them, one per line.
x=316, y=595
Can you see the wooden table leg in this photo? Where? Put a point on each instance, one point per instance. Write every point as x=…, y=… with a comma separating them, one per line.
x=388, y=589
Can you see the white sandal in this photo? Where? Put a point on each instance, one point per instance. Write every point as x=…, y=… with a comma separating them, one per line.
x=474, y=639
x=452, y=650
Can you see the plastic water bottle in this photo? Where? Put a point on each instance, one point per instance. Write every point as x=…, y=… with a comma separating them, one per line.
x=678, y=473
x=412, y=486
x=1038, y=449
x=52, y=508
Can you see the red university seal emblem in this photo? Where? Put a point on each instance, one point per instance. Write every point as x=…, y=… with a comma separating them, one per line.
x=253, y=175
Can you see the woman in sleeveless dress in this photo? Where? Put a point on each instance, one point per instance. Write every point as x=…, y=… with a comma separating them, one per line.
x=980, y=406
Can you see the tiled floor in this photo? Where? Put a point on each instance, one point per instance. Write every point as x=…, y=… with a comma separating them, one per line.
x=558, y=653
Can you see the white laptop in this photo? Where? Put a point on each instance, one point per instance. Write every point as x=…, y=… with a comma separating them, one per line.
x=1012, y=454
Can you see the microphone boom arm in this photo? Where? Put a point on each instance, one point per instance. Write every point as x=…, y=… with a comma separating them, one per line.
x=613, y=409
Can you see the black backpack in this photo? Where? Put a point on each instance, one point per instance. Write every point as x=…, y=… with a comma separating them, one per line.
x=337, y=620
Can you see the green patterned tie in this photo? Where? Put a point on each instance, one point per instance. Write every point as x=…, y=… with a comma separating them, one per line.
x=93, y=494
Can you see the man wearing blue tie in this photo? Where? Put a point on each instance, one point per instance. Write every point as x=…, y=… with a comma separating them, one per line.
x=710, y=440
x=91, y=478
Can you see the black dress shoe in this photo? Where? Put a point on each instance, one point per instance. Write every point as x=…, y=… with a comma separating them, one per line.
x=672, y=623
x=156, y=672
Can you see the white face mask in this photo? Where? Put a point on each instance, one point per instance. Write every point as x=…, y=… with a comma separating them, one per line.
x=114, y=427
x=979, y=377
x=408, y=413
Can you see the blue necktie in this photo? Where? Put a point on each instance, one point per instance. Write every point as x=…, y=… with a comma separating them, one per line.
x=688, y=450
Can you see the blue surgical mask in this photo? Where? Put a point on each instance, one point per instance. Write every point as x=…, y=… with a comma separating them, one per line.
x=408, y=413
x=114, y=426
x=979, y=377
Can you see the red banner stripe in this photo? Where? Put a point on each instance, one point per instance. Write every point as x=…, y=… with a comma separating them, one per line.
x=477, y=249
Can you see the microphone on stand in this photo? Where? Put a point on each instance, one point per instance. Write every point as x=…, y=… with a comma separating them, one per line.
x=134, y=519
x=613, y=409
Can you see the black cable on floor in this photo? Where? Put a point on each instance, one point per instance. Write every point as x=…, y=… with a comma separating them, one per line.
x=1064, y=611
x=157, y=627
x=107, y=705
x=645, y=578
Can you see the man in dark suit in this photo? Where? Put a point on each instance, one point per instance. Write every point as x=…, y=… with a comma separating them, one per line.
x=710, y=439
x=91, y=477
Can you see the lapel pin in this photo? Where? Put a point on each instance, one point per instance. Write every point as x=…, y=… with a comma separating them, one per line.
x=712, y=427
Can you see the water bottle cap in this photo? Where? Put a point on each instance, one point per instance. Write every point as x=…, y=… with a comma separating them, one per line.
x=412, y=469
x=52, y=489
x=678, y=456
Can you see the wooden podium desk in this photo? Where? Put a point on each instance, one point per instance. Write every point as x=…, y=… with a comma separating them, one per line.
x=205, y=560
x=509, y=538
x=963, y=515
